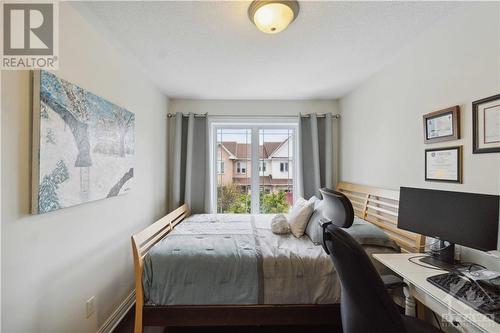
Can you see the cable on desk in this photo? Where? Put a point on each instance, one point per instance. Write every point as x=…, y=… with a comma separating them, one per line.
x=470, y=265
x=425, y=266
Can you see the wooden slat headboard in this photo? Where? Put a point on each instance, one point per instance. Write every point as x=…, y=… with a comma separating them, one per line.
x=380, y=207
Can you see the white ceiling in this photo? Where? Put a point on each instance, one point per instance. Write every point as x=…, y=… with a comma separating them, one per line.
x=211, y=50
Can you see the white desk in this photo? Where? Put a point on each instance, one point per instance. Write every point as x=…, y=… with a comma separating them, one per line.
x=456, y=313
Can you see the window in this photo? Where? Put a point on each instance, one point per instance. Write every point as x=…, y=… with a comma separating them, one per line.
x=284, y=166
x=266, y=147
x=262, y=166
x=276, y=144
x=233, y=189
x=220, y=167
x=241, y=167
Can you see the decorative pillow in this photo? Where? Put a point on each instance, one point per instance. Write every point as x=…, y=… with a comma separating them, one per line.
x=314, y=230
x=279, y=225
x=299, y=216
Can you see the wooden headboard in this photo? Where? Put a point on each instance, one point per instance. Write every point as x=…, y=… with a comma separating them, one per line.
x=380, y=207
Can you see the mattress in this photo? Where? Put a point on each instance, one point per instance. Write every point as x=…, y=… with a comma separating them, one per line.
x=235, y=259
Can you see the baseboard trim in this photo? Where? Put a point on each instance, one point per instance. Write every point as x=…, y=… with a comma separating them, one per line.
x=115, y=318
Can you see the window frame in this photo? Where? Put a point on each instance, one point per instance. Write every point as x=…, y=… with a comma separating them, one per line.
x=254, y=125
x=241, y=170
x=262, y=166
x=220, y=167
x=284, y=166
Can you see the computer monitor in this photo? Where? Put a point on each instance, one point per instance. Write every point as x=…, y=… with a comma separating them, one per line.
x=467, y=219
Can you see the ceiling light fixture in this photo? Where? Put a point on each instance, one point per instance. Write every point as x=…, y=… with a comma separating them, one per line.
x=273, y=16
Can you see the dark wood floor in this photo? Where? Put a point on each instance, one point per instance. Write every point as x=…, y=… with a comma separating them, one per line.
x=127, y=326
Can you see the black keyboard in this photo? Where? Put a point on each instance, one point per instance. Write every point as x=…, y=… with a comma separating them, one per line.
x=469, y=293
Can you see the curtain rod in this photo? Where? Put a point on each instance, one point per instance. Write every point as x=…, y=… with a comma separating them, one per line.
x=170, y=115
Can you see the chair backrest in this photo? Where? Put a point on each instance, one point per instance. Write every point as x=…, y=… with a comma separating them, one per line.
x=337, y=207
x=365, y=304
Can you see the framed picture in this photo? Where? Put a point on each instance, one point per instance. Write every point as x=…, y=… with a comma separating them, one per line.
x=486, y=125
x=83, y=145
x=442, y=125
x=444, y=164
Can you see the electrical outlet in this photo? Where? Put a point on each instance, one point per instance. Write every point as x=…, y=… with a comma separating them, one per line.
x=90, y=305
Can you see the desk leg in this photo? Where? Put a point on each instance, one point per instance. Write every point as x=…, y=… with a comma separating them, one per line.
x=420, y=311
x=409, y=303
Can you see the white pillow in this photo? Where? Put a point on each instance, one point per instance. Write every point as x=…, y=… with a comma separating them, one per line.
x=299, y=216
x=279, y=225
x=315, y=200
x=313, y=229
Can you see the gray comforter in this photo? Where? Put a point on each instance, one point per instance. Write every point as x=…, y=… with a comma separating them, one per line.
x=236, y=259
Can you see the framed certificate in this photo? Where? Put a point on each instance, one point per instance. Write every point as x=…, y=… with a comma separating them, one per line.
x=442, y=125
x=444, y=164
x=486, y=125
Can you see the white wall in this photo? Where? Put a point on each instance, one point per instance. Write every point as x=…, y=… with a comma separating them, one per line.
x=453, y=63
x=53, y=263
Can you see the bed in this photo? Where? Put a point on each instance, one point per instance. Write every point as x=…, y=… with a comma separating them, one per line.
x=278, y=279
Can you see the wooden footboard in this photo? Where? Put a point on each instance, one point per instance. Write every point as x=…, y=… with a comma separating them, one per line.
x=141, y=243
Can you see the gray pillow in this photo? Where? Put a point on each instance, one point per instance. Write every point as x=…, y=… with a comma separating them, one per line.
x=362, y=231
x=368, y=234
x=313, y=229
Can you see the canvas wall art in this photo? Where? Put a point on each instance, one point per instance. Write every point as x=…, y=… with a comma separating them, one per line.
x=83, y=145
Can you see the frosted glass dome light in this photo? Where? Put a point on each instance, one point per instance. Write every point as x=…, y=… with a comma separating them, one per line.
x=273, y=16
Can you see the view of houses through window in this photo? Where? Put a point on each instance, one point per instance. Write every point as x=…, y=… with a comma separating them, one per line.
x=274, y=179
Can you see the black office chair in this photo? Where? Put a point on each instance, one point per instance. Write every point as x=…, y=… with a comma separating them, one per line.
x=365, y=304
x=337, y=208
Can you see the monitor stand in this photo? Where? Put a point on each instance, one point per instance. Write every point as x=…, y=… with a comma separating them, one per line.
x=442, y=255
x=430, y=260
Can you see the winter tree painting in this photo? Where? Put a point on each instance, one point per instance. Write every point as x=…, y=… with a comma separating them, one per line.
x=83, y=145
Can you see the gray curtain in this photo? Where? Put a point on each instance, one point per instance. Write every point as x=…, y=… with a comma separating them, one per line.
x=315, y=154
x=189, y=178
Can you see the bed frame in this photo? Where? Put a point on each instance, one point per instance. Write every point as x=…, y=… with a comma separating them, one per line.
x=377, y=206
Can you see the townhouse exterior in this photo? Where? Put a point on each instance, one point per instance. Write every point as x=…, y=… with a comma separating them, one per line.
x=275, y=165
